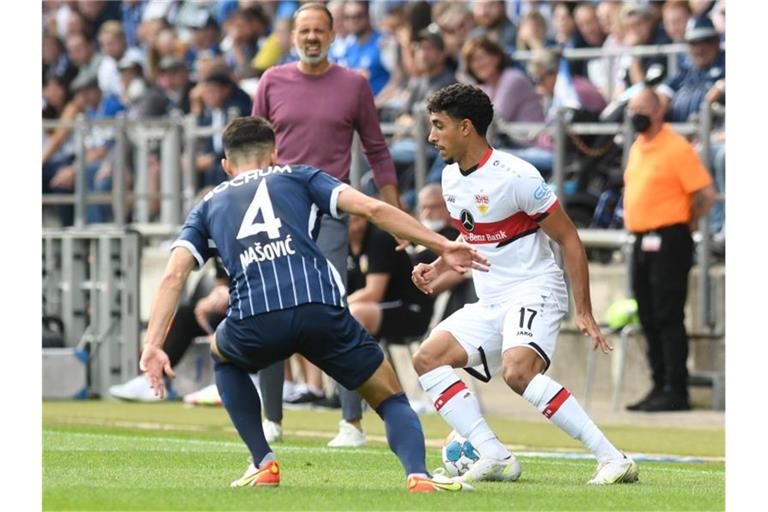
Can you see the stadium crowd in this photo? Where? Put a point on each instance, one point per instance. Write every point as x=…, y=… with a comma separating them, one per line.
x=151, y=58
x=148, y=58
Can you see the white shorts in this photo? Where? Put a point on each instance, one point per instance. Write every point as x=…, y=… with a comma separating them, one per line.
x=530, y=318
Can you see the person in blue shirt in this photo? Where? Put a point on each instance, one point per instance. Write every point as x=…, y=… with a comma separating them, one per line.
x=89, y=100
x=285, y=297
x=205, y=38
x=363, y=52
x=703, y=79
x=220, y=94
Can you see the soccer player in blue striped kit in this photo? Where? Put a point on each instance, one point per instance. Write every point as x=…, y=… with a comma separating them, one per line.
x=285, y=297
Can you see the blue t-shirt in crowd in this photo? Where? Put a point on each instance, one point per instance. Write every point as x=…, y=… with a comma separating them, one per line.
x=367, y=56
x=689, y=86
x=262, y=224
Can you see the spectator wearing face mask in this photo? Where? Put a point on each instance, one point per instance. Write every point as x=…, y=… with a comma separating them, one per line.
x=666, y=191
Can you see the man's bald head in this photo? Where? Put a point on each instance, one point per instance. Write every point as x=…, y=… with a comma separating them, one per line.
x=645, y=100
x=646, y=103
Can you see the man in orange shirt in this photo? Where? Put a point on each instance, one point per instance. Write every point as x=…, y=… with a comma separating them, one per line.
x=666, y=191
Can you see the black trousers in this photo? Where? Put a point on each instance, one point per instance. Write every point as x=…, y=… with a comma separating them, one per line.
x=183, y=330
x=660, y=284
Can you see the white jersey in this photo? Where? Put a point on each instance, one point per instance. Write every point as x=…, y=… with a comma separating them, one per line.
x=496, y=208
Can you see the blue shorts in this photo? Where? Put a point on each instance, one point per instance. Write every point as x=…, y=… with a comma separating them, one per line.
x=326, y=335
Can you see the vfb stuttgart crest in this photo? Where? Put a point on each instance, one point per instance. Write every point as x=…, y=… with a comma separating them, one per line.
x=467, y=221
x=482, y=202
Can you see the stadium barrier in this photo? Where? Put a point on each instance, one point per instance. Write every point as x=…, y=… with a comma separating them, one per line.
x=136, y=140
x=177, y=187
x=91, y=283
x=672, y=51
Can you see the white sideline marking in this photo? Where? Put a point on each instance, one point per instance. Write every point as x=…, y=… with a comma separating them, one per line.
x=181, y=445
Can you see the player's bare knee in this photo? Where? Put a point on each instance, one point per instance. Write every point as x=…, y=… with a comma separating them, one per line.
x=440, y=349
x=381, y=385
x=423, y=361
x=517, y=378
x=520, y=365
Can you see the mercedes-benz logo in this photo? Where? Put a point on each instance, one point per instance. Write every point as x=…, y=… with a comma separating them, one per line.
x=467, y=220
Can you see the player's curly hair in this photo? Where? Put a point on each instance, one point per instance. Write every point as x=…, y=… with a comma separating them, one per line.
x=463, y=101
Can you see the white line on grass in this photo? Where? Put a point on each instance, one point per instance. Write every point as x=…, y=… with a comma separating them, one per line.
x=56, y=444
x=53, y=442
x=431, y=443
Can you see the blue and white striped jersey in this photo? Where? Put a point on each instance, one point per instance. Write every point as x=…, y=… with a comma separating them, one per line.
x=263, y=224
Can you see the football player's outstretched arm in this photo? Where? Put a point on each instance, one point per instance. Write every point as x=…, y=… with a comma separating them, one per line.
x=458, y=256
x=558, y=227
x=154, y=361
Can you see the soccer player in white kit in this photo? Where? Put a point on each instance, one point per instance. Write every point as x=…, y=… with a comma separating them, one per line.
x=502, y=205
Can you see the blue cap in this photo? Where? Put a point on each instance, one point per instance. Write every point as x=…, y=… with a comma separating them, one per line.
x=700, y=28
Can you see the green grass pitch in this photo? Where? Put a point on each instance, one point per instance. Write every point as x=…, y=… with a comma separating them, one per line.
x=114, y=456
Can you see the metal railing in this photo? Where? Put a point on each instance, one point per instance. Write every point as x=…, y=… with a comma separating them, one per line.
x=672, y=51
x=91, y=282
x=178, y=136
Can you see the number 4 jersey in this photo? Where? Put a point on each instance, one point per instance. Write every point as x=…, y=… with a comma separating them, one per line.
x=497, y=206
x=262, y=224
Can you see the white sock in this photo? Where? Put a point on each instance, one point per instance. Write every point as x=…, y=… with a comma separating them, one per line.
x=459, y=407
x=557, y=404
x=315, y=390
x=289, y=389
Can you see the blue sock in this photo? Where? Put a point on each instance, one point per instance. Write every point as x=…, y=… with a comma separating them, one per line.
x=404, y=433
x=241, y=400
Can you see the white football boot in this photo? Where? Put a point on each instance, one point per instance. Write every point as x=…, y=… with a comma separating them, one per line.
x=348, y=436
x=272, y=431
x=137, y=389
x=494, y=470
x=615, y=471
x=209, y=395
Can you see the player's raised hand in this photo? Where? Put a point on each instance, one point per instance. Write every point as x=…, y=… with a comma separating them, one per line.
x=422, y=275
x=460, y=256
x=588, y=327
x=156, y=365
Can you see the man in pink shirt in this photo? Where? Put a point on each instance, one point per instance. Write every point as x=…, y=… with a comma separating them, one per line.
x=315, y=107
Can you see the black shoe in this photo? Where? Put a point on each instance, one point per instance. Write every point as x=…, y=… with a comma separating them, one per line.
x=640, y=406
x=668, y=402
x=305, y=399
x=331, y=402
